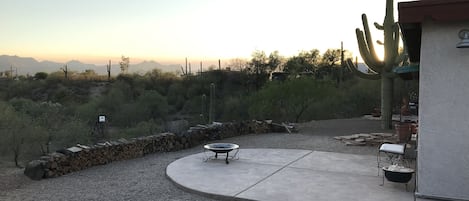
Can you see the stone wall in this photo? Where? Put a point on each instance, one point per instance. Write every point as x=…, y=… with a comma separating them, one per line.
x=81, y=157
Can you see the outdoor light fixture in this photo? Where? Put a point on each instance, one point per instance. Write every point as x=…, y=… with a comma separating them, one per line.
x=464, y=36
x=101, y=118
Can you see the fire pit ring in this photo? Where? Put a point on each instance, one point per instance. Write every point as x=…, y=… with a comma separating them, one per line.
x=398, y=174
x=221, y=148
x=403, y=175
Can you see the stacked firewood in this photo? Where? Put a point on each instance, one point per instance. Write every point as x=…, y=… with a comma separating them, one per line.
x=80, y=157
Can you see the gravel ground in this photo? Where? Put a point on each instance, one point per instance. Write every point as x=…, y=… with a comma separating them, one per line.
x=145, y=179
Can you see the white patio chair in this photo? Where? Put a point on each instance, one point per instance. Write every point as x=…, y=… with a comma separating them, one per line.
x=394, y=153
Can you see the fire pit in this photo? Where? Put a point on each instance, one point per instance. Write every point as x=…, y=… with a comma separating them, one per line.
x=222, y=148
x=399, y=174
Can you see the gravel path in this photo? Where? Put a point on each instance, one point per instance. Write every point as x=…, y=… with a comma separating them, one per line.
x=144, y=178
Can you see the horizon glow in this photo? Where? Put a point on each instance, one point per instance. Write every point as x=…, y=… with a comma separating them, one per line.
x=169, y=31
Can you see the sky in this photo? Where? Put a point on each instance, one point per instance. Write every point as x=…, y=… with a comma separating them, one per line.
x=167, y=31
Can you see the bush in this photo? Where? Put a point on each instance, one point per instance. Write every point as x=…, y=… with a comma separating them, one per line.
x=289, y=100
x=27, y=106
x=151, y=105
x=73, y=131
x=15, y=130
x=235, y=109
x=360, y=97
x=88, y=112
x=143, y=128
x=40, y=75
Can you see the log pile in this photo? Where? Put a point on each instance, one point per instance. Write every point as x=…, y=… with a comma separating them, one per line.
x=80, y=157
x=369, y=139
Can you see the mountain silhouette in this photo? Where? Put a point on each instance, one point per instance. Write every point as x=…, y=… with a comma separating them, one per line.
x=29, y=65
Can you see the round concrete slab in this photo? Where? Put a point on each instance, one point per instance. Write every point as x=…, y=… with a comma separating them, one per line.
x=285, y=174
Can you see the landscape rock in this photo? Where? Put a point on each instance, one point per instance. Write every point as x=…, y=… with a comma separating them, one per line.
x=35, y=169
x=74, y=149
x=371, y=139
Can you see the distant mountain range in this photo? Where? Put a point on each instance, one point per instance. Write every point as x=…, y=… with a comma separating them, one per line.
x=28, y=65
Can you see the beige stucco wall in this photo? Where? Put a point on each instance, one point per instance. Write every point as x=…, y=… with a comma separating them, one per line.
x=443, y=143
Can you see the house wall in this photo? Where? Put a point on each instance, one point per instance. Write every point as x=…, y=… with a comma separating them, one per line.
x=443, y=142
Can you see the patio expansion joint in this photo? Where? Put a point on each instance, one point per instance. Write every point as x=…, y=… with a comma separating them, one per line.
x=275, y=172
x=334, y=172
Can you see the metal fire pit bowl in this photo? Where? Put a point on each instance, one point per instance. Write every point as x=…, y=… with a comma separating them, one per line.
x=222, y=148
x=401, y=176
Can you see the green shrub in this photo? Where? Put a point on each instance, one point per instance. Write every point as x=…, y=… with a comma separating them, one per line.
x=143, y=128
x=15, y=132
x=289, y=100
x=234, y=109
x=176, y=95
x=360, y=97
x=88, y=112
x=40, y=75
x=73, y=131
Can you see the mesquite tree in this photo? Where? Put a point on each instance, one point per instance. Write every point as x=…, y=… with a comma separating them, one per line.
x=125, y=65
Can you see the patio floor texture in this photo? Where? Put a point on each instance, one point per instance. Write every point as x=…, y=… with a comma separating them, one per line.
x=287, y=174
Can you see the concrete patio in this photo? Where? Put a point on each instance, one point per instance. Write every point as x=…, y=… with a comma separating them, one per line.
x=287, y=174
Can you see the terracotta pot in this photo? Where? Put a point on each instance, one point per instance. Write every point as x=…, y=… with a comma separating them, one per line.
x=404, y=132
x=376, y=112
x=414, y=128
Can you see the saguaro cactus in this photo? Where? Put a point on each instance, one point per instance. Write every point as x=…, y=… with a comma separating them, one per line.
x=212, y=102
x=108, y=69
x=382, y=68
x=65, y=70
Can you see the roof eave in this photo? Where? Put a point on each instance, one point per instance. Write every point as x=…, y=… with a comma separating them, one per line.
x=412, y=14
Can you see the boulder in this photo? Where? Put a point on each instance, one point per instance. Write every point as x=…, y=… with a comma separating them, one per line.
x=35, y=169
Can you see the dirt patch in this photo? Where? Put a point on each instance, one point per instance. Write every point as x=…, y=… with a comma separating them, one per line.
x=11, y=177
x=339, y=127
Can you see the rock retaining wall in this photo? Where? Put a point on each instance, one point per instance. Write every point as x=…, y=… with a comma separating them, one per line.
x=81, y=157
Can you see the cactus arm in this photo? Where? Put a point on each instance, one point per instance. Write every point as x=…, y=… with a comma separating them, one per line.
x=360, y=74
x=403, y=58
x=390, y=52
x=375, y=65
x=379, y=26
x=400, y=58
x=396, y=38
x=369, y=40
x=394, y=50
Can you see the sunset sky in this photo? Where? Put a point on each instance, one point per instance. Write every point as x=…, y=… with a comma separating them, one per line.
x=167, y=31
